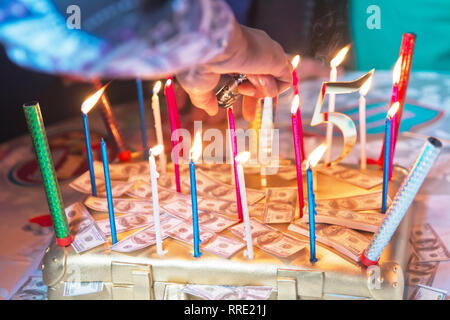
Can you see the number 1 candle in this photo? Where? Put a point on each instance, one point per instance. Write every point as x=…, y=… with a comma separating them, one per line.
x=195, y=154
x=298, y=157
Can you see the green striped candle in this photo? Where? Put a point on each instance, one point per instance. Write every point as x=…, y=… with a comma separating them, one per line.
x=37, y=130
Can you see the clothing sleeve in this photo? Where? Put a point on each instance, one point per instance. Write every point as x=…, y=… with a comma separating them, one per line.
x=114, y=39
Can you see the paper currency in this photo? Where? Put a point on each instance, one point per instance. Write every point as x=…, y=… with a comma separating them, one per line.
x=371, y=201
x=122, y=171
x=358, y=220
x=256, y=210
x=120, y=205
x=184, y=232
x=352, y=176
x=419, y=273
x=83, y=184
x=280, y=205
x=428, y=245
x=344, y=240
x=288, y=172
x=270, y=239
x=127, y=222
x=208, y=292
x=72, y=289
x=145, y=237
x=33, y=289
x=429, y=293
x=223, y=246
x=86, y=232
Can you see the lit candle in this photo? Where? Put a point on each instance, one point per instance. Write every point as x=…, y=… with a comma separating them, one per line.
x=155, y=198
x=233, y=141
x=295, y=62
x=241, y=158
x=158, y=126
x=142, y=112
x=112, y=221
x=334, y=63
x=174, y=125
x=388, y=134
x=87, y=105
x=195, y=154
x=362, y=121
x=313, y=159
x=298, y=157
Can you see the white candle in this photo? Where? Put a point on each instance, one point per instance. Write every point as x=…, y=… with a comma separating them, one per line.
x=240, y=159
x=153, y=177
x=158, y=127
x=362, y=121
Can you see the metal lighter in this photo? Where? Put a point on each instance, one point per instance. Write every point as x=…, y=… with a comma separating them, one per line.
x=228, y=94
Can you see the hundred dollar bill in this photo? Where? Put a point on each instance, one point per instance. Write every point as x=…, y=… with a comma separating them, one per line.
x=344, y=240
x=33, y=289
x=222, y=246
x=127, y=222
x=429, y=293
x=72, y=289
x=371, y=201
x=122, y=171
x=87, y=234
x=209, y=292
x=352, y=176
x=358, y=220
x=120, y=205
x=145, y=237
x=256, y=210
x=288, y=172
x=270, y=239
x=184, y=232
x=83, y=184
x=427, y=244
x=419, y=273
x=280, y=205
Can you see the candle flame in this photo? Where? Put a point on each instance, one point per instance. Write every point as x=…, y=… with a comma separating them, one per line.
x=157, y=87
x=196, y=149
x=295, y=104
x=397, y=70
x=295, y=61
x=366, y=86
x=393, y=110
x=316, y=155
x=242, y=157
x=90, y=102
x=340, y=56
x=156, y=150
x=168, y=82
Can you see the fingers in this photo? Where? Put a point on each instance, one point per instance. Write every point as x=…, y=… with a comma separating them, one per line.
x=249, y=107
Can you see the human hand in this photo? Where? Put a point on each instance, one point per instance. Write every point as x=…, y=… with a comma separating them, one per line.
x=248, y=51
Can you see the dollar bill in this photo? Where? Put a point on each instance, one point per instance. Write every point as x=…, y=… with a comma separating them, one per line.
x=428, y=245
x=86, y=232
x=371, y=201
x=351, y=176
x=120, y=205
x=122, y=171
x=344, y=240
x=72, y=289
x=429, y=293
x=280, y=205
x=83, y=184
x=209, y=292
x=256, y=210
x=419, y=273
x=358, y=220
x=145, y=237
x=184, y=232
x=127, y=222
x=223, y=246
x=270, y=239
x=220, y=206
x=33, y=289
x=288, y=172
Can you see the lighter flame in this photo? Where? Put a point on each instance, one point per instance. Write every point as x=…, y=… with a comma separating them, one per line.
x=393, y=110
x=295, y=104
x=157, y=87
x=242, y=157
x=316, y=155
x=397, y=70
x=196, y=150
x=90, y=102
x=337, y=60
x=365, y=87
x=295, y=61
x=156, y=150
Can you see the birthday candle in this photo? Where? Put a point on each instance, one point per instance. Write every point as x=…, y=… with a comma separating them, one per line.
x=196, y=152
x=295, y=62
x=158, y=126
x=112, y=221
x=155, y=198
x=87, y=105
x=55, y=203
x=388, y=133
x=298, y=158
x=362, y=121
x=241, y=158
x=142, y=112
x=334, y=63
x=313, y=159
